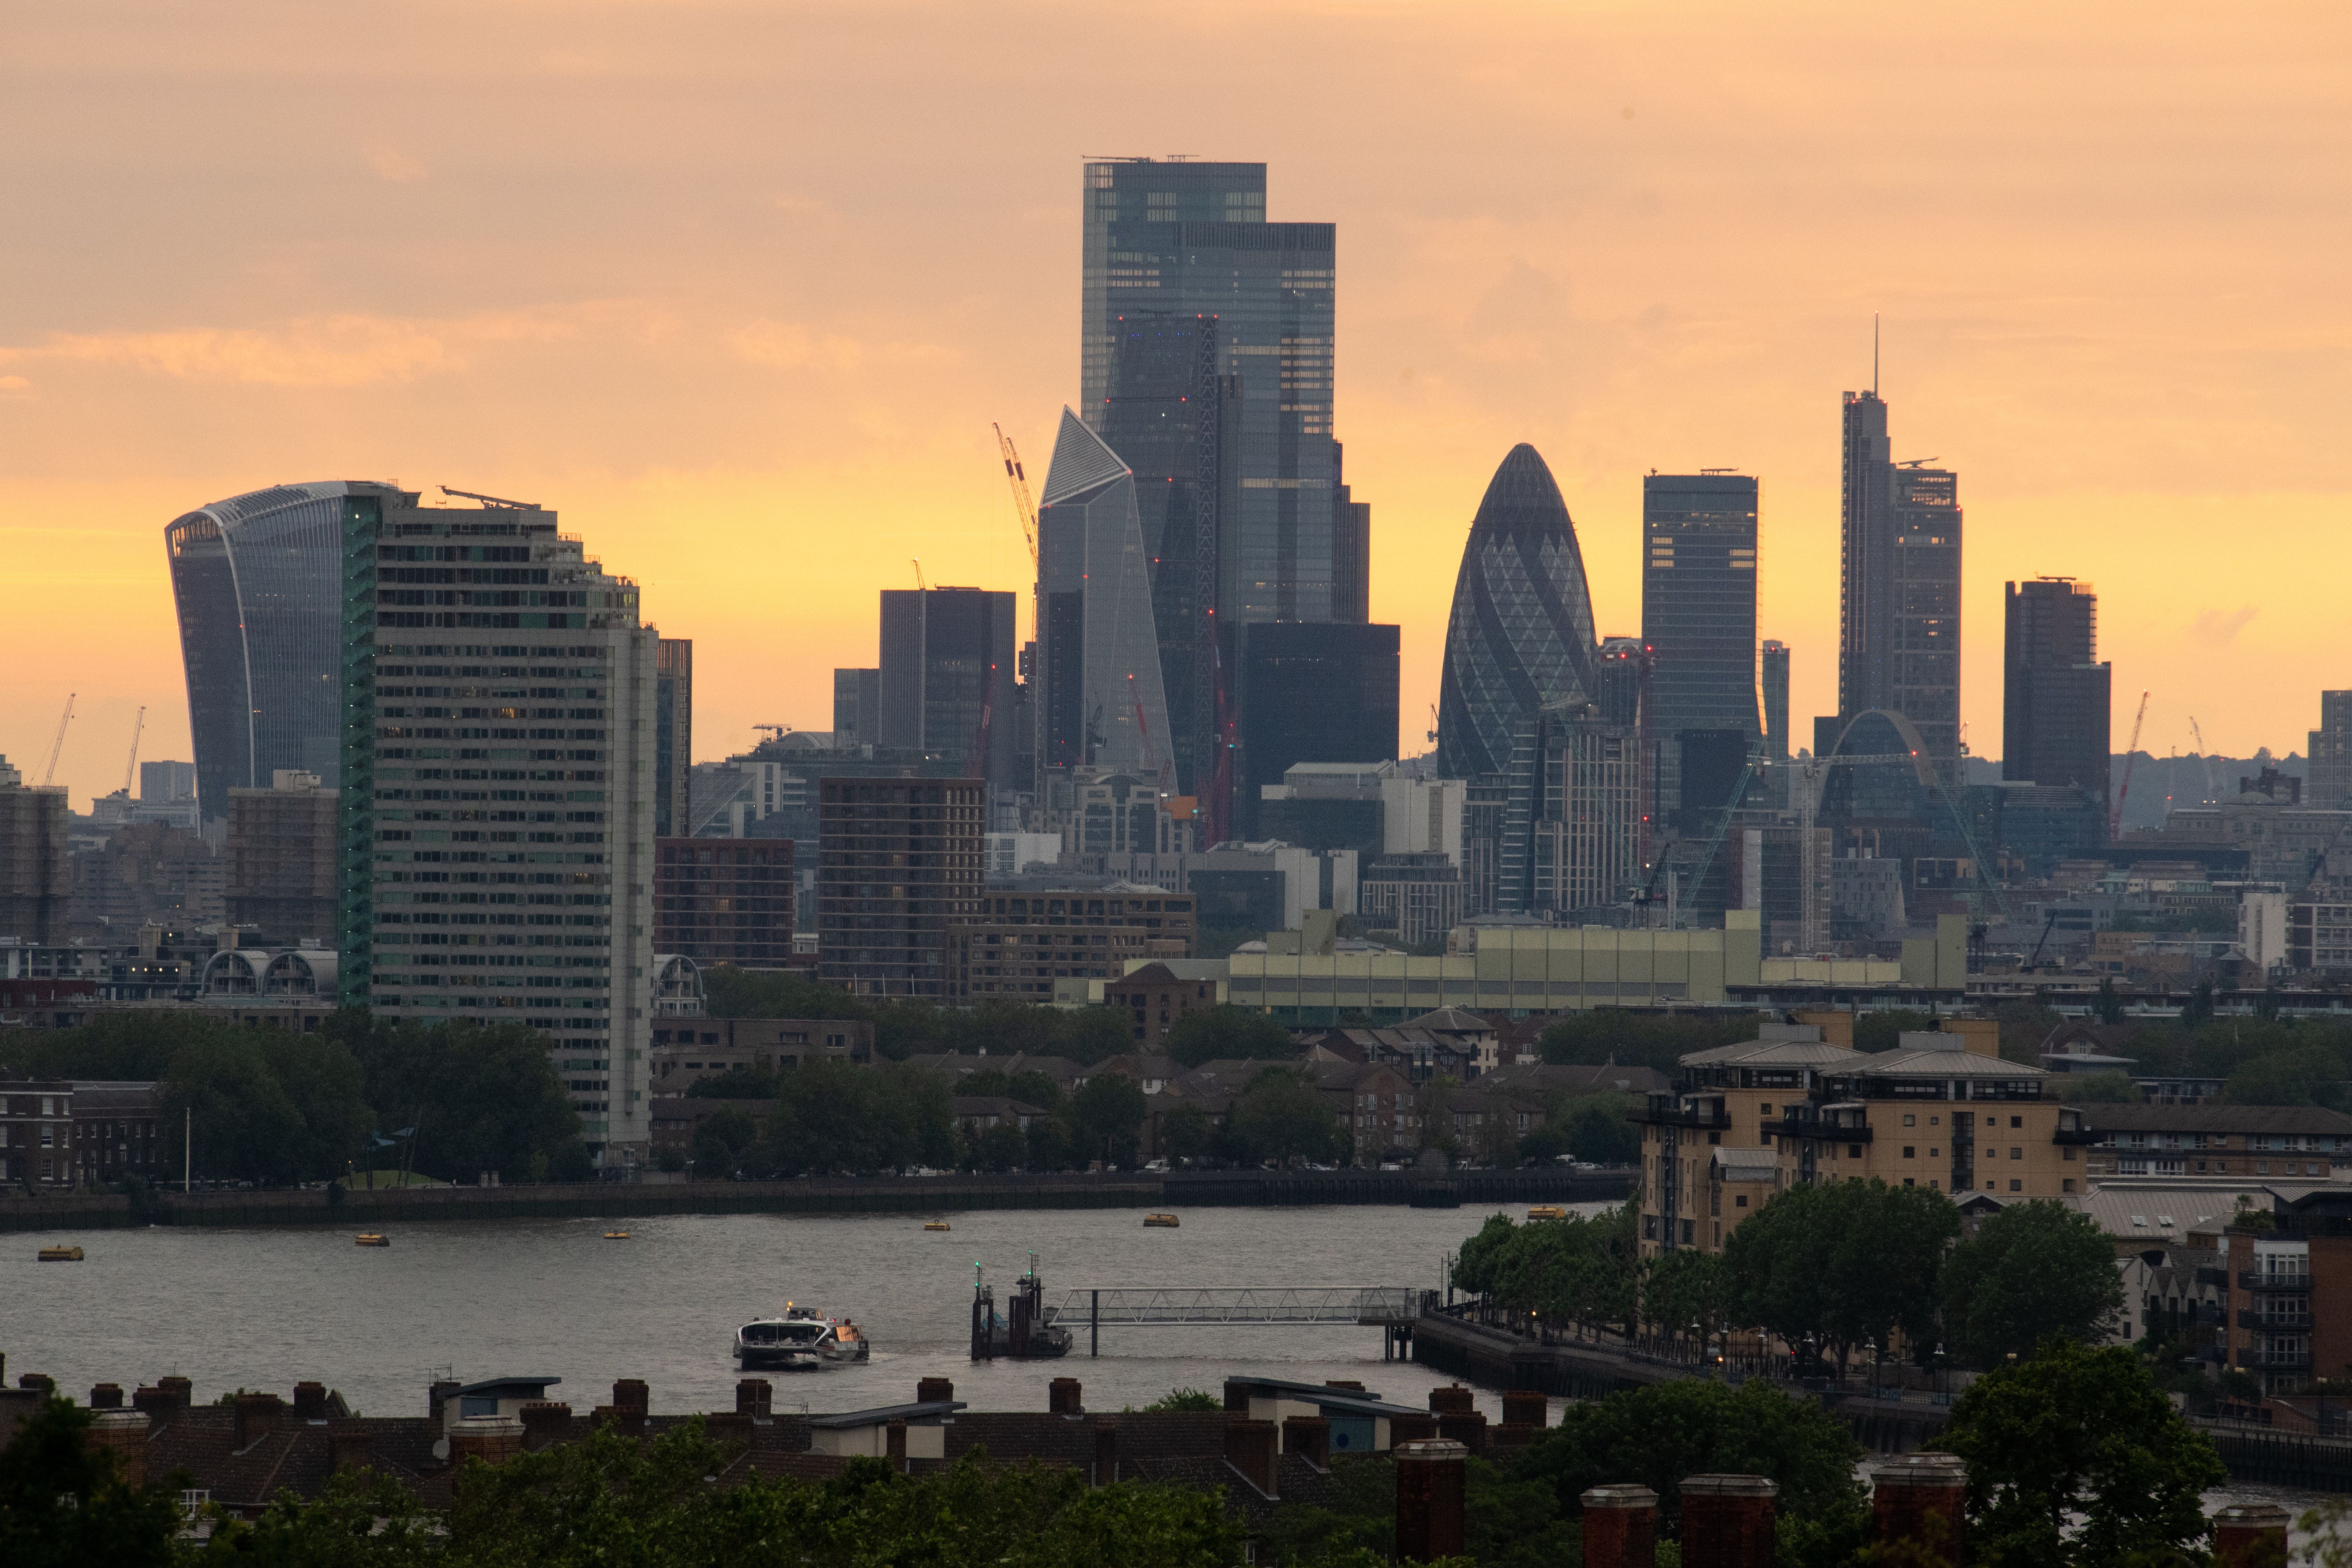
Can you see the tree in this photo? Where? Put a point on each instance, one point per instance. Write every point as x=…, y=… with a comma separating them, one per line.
x=1687, y=1291
x=2109, y=1087
x=1845, y=1262
x=2198, y=1009
x=2309, y=1074
x=2076, y=1458
x=63, y=1503
x=482, y=1097
x=1596, y=1129
x=2108, y=1007
x=725, y=1136
x=832, y=1116
x=1050, y=1148
x=1883, y=1030
x=1106, y=1117
x=1658, y=1435
x=1228, y=1034
x=999, y=1147
x=1280, y=1116
x=1185, y=1133
x=1605, y=1036
x=2030, y=1272
x=736, y=1083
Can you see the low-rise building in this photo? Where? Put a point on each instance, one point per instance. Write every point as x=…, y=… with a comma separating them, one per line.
x=2290, y=1289
x=2204, y=1139
x=1021, y=937
x=687, y=1050
x=62, y=1134
x=1155, y=996
x=724, y=900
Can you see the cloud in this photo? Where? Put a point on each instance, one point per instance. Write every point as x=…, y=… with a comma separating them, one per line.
x=788, y=345
x=15, y=384
x=391, y=164
x=2221, y=625
x=344, y=350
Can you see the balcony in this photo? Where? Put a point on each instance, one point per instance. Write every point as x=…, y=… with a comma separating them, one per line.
x=2275, y=1361
x=1662, y=1112
x=2254, y=1279
x=2084, y=1136
x=2209, y=1315
x=2273, y=1323
x=2217, y=1278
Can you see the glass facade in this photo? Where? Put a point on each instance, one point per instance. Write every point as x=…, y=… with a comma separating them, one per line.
x=1183, y=239
x=258, y=580
x=1698, y=601
x=1899, y=606
x=946, y=686
x=1311, y=692
x=673, y=737
x=2055, y=696
x=1519, y=639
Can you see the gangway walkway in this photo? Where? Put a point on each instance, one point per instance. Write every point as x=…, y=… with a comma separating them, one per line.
x=1390, y=1307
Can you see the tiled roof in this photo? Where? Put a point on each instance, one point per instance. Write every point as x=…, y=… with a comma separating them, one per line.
x=2297, y=1119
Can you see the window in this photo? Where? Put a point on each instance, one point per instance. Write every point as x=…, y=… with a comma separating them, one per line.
x=1854, y=1151
x=2016, y=1153
x=1739, y=1201
x=2015, y=1185
x=1765, y=1110
x=2017, y=1122
x=1910, y=1118
x=1909, y=1152
x=1908, y=1182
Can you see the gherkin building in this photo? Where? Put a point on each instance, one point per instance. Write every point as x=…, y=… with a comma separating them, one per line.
x=1520, y=637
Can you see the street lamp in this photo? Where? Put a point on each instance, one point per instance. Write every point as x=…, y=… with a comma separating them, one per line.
x=1942, y=1386
x=1870, y=1349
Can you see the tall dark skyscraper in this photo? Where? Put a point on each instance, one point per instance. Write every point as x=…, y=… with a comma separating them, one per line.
x=1309, y=692
x=2055, y=694
x=1774, y=655
x=1698, y=601
x=1519, y=639
x=947, y=676
x=1173, y=240
x=673, y=739
x=1899, y=605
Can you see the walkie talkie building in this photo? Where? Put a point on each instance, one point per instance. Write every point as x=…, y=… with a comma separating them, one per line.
x=259, y=582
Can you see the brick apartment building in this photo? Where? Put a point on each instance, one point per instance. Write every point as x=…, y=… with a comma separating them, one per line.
x=724, y=900
x=1021, y=938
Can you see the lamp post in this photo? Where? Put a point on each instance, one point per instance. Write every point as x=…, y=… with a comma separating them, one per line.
x=1870, y=1350
x=1943, y=1384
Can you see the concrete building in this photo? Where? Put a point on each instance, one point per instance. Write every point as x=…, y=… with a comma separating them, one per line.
x=1028, y=939
x=497, y=790
x=284, y=858
x=898, y=864
x=1422, y=816
x=719, y=900
x=36, y=873
x=857, y=708
x=1416, y=897
x=673, y=738
x=2306, y=1143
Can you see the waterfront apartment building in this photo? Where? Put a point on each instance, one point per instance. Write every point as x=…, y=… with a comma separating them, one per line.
x=284, y=848
x=497, y=790
x=897, y=863
x=2287, y=1314
x=724, y=900
x=1029, y=939
x=2201, y=1138
x=673, y=738
x=36, y=864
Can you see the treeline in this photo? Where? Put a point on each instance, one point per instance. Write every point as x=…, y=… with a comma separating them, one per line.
x=275, y=1107
x=904, y=1027
x=828, y=1118
x=2074, y=1457
x=1840, y=1267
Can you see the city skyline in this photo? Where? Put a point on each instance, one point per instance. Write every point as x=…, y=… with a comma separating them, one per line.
x=757, y=374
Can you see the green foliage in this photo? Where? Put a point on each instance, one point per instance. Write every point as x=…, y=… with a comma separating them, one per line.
x=1567, y=1270
x=833, y=1116
x=360, y=1520
x=904, y=1027
x=1106, y=1119
x=1639, y=1039
x=1881, y=1030
x=736, y=1083
x=2076, y=1459
x=1228, y=1034
x=2311, y=1074
x=999, y=1148
x=1187, y=1399
x=2032, y=1271
x=1280, y=1116
x=1686, y=1288
x=63, y=1503
x=2110, y=1088
x=1050, y=1148
x=725, y=1136
x=2198, y=1009
x=1846, y=1262
x=1589, y=1126
x=1185, y=1133
x=1658, y=1435
x=2108, y=1008
x=1029, y=1087
x=481, y=1097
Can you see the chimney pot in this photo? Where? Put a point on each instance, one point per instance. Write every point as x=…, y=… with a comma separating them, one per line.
x=1432, y=1476
x=1063, y=1397
x=106, y=1397
x=1250, y=1448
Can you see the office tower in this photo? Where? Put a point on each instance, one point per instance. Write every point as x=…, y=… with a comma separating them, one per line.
x=36, y=870
x=1351, y=550
x=497, y=790
x=673, y=737
x=1183, y=239
x=162, y=783
x=857, y=708
x=898, y=862
x=1167, y=413
x=724, y=900
x=1775, y=659
x=1899, y=602
x=1588, y=828
x=1520, y=635
x=2056, y=693
x=284, y=851
x=1310, y=692
x=1698, y=601
x=259, y=581
x=947, y=677
x=1100, y=703
x=2328, y=774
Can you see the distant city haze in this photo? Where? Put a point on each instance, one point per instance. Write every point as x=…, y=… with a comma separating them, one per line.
x=740, y=290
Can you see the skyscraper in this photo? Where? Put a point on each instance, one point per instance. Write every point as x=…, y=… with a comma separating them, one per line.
x=1101, y=702
x=497, y=789
x=948, y=677
x=1698, y=601
x=898, y=864
x=1899, y=600
x=1775, y=660
x=2055, y=694
x=259, y=583
x=1309, y=693
x=1519, y=639
x=857, y=708
x=1171, y=240
x=673, y=738
x=2328, y=774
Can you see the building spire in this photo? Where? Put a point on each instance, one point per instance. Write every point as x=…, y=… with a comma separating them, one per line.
x=1874, y=353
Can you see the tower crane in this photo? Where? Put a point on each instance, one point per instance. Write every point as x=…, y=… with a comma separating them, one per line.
x=926, y=587
x=60, y=744
x=2212, y=778
x=1433, y=721
x=131, y=767
x=1022, y=507
x=2122, y=791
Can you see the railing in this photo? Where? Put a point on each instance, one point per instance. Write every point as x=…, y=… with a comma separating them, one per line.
x=2273, y=1322
x=2277, y=1360
x=1238, y=1305
x=2255, y=1279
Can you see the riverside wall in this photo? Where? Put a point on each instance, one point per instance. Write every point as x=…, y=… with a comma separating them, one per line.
x=364, y=1208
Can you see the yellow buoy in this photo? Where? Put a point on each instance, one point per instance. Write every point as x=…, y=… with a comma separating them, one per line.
x=616, y=1236
x=1547, y=1211
x=936, y=1224
x=1160, y=1222
x=61, y=1254
x=370, y=1238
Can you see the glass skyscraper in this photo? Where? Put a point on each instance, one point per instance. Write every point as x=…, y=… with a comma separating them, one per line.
x=946, y=684
x=258, y=580
x=1698, y=601
x=2056, y=693
x=1899, y=602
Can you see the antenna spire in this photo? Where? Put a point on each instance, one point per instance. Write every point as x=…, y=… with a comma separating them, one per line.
x=1874, y=353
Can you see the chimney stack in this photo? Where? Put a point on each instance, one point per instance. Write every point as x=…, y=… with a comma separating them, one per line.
x=40, y=1382
x=1620, y=1527
x=1415, y=1428
x=933, y=1391
x=2250, y=1535
x=1250, y=1449
x=180, y=1392
x=544, y=1421
x=1431, y=1477
x=256, y=1414
x=1236, y=1396
x=310, y=1402
x=894, y=1442
x=1105, y=1450
x=630, y=1393
x=159, y=1406
x=1526, y=1407
x=1063, y=1397
x=1452, y=1399
x=1727, y=1522
x=493, y=1439
x=1309, y=1436
x=106, y=1397
x=754, y=1397
x=438, y=1398
x=1467, y=1427
x=1917, y=1500
x=123, y=1434
x=351, y=1441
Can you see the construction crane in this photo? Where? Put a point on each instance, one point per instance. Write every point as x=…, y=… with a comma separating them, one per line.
x=926, y=587
x=773, y=731
x=131, y=767
x=60, y=744
x=2212, y=778
x=2122, y=791
x=1022, y=507
x=1143, y=734
x=1433, y=721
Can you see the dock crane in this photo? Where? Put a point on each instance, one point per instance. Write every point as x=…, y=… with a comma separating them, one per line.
x=59, y=745
x=2122, y=791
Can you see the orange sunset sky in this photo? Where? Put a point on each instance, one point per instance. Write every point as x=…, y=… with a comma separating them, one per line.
x=738, y=287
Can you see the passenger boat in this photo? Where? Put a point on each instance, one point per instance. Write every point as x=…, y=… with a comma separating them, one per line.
x=937, y=1224
x=803, y=1337
x=61, y=1254
x=1161, y=1222
x=616, y=1236
x=1547, y=1211
x=370, y=1238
